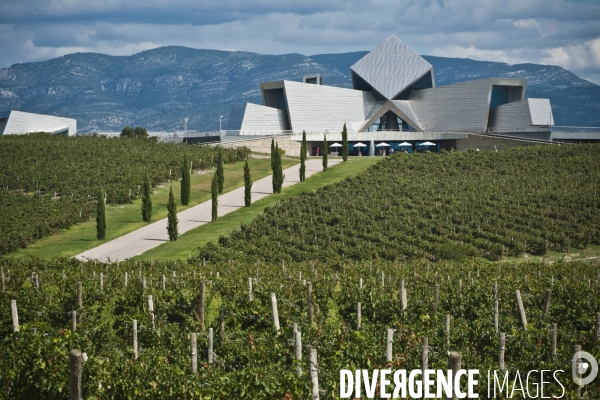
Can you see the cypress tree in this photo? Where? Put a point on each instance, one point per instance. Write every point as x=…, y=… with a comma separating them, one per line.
x=146, y=199
x=220, y=173
x=325, y=152
x=185, y=182
x=172, y=228
x=247, y=185
x=277, y=171
x=214, y=192
x=344, y=144
x=272, y=154
x=303, y=158
x=100, y=217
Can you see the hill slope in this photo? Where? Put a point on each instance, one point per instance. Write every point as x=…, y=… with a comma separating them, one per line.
x=158, y=88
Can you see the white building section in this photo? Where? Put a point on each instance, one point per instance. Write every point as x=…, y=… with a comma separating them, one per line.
x=541, y=112
x=20, y=123
x=328, y=109
x=259, y=118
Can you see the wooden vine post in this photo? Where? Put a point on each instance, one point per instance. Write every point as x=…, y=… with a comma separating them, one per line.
x=15, y=315
x=275, y=312
x=210, y=345
x=403, y=296
x=75, y=372
x=250, y=290
x=79, y=295
x=193, y=353
x=73, y=321
x=314, y=374
x=547, y=302
x=501, y=349
x=521, y=309
x=436, y=297
x=389, y=345
x=298, y=349
x=135, y=339
x=309, y=303
x=201, y=307
x=454, y=364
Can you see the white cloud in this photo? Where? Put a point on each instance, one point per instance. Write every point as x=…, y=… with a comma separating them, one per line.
x=476, y=54
x=584, y=56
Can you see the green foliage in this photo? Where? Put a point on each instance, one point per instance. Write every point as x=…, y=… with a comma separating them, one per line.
x=437, y=206
x=50, y=182
x=220, y=172
x=214, y=191
x=128, y=132
x=345, y=143
x=100, y=216
x=186, y=181
x=303, y=157
x=325, y=151
x=146, y=199
x=138, y=132
x=172, y=220
x=247, y=185
x=251, y=361
x=277, y=171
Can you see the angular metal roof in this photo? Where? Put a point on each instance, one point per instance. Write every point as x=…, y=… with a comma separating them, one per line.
x=401, y=108
x=391, y=67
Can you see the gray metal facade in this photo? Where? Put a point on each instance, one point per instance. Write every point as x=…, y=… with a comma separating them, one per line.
x=462, y=106
x=521, y=114
x=391, y=68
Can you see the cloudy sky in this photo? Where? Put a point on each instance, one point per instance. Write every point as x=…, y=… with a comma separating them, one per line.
x=557, y=32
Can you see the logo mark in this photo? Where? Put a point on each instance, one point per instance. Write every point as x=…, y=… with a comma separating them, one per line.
x=579, y=367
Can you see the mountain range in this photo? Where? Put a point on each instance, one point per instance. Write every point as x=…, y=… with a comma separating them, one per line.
x=158, y=88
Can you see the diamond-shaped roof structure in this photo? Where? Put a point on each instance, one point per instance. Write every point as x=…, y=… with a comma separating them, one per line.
x=391, y=68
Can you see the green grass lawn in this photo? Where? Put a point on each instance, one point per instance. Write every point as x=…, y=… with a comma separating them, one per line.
x=122, y=219
x=189, y=242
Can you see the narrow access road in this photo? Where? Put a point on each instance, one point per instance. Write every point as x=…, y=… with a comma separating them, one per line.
x=152, y=235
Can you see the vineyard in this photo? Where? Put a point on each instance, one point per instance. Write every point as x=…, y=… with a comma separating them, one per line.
x=452, y=206
x=49, y=182
x=404, y=246
x=451, y=304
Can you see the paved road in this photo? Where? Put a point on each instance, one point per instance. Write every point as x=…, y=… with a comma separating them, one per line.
x=152, y=235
